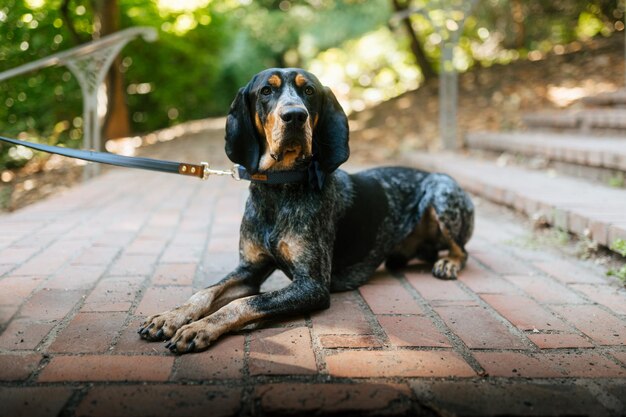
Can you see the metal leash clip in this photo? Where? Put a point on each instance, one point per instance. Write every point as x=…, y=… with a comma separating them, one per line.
x=207, y=172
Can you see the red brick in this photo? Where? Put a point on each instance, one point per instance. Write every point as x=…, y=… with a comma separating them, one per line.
x=524, y=313
x=432, y=288
x=300, y=398
x=174, y=274
x=96, y=255
x=17, y=255
x=18, y=367
x=159, y=299
x=75, y=277
x=89, y=332
x=50, y=304
x=4, y=268
x=586, y=365
x=184, y=253
x=6, y=313
x=503, y=263
x=620, y=356
x=390, y=298
x=599, y=325
x=478, y=329
x=107, y=368
x=160, y=401
x=113, y=294
x=344, y=316
x=33, y=401
x=559, y=341
x=513, y=398
x=568, y=273
x=51, y=259
x=223, y=360
x=130, y=342
x=397, y=363
x=146, y=246
x=133, y=265
x=545, y=290
x=332, y=341
x=610, y=296
x=195, y=238
x=13, y=290
x=484, y=282
x=24, y=334
x=281, y=352
x=573, y=364
x=412, y=331
x=516, y=364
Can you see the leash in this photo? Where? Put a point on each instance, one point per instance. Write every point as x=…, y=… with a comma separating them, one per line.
x=202, y=170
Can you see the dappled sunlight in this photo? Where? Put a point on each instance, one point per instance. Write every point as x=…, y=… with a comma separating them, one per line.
x=180, y=6
x=563, y=95
x=366, y=71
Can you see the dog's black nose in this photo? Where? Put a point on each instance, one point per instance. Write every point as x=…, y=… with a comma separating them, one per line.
x=294, y=116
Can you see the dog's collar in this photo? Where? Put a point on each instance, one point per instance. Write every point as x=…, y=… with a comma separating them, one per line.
x=312, y=175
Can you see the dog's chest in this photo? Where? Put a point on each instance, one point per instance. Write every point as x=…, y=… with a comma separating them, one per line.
x=282, y=231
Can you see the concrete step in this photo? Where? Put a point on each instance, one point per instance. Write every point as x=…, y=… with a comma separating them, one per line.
x=613, y=99
x=601, y=153
x=578, y=206
x=606, y=121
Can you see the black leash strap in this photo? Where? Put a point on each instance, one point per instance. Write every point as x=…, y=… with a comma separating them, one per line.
x=202, y=170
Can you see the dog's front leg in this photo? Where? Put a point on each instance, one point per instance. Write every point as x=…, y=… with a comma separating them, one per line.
x=242, y=282
x=301, y=296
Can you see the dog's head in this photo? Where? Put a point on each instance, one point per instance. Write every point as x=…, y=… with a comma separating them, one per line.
x=283, y=120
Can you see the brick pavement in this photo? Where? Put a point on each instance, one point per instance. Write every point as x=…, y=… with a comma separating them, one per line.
x=522, y=332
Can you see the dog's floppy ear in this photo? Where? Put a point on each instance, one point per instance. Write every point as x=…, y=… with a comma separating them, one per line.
x=242, y=143
x=330, y=138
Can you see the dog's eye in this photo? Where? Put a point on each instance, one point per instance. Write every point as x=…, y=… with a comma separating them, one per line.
x=266, y=91
x=309, y=91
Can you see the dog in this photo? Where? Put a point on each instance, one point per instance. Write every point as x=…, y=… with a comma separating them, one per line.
x=327, y=233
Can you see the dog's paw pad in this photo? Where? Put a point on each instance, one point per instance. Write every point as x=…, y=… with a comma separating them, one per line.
x=161, y=326
x=194, y=337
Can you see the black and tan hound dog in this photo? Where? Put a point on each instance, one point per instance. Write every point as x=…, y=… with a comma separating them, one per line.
x=329, y=234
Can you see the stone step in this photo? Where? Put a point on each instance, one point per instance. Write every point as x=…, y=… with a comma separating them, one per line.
x=610, y=120
x=613, y=99
x=598, y=152
x=577, y=206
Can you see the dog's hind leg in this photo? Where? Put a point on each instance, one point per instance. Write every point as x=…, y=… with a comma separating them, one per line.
x=449, y=266
x=419, y=244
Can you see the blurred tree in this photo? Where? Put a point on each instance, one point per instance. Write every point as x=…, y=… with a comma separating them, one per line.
x=107, y=21
x=423, y=62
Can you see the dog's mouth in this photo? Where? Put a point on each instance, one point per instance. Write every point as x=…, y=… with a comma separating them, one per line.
x=291, y=153
x=285, y=158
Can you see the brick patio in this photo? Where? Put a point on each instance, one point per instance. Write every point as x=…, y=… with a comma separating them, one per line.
x=522, y=332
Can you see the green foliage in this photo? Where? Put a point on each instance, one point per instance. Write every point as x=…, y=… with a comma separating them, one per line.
x=619, y=246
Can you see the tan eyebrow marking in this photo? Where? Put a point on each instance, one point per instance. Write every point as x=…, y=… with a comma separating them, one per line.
x=300, y=80
x=275, y=81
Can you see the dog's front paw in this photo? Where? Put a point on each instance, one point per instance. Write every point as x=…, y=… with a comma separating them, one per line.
x=163, y=326
x=446, y=268
x=194, y=337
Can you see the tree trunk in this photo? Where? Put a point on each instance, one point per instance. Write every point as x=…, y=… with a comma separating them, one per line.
x=416, y=47
x=117, y=122
x=519, y=28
